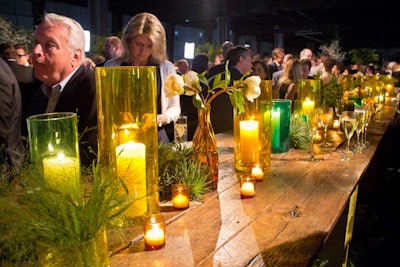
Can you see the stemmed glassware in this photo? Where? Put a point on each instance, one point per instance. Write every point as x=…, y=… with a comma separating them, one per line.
x=349, y=124
x=368, y=114
x=360, y=125
x=312, y=121
x=339, y=108
x=325, y=118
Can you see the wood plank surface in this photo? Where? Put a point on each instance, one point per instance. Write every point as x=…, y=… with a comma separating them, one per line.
x=295, y=209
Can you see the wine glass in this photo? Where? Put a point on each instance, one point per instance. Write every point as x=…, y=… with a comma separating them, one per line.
x=325, y=118
x=312, y=122
x=368, y=114
x=339, y=108
x=349, y=125
x=360, y=125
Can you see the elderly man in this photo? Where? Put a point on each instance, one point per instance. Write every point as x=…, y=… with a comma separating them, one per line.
x=68, y=86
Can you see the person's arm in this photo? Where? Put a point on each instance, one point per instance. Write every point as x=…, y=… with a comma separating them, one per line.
x=291, y=91
x=171, y=107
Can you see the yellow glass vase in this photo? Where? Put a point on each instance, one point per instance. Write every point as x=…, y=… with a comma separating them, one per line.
x=128, y=142
x=252, y=131
x=92, y=252
x=205, y=145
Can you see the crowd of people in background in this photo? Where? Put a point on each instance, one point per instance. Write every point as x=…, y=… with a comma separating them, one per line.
x=58, y=71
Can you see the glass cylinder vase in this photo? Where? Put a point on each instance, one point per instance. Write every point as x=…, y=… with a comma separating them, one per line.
x=252, y=131
x=53, y=140
x=204, y=145
x=91, y=252
x=309, y=90
x=280, y=124
x=128, y=142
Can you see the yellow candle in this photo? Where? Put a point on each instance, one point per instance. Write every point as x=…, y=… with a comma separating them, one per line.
x=155, y=236
x=317, y=138
x=62, y=173
x=249, y=141
x=336, y=124
x=247, y=189
x=131, y=168
x=308, y=106
x=257, y=172
x=180, y=201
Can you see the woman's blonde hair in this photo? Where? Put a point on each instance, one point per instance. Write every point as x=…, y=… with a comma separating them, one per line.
x=145, y=23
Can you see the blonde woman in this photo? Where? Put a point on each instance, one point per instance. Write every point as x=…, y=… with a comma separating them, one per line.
x=286, y=88
x=144, y=43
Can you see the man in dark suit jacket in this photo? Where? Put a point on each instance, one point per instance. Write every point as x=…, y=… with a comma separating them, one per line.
x=277, y=59
x=58, y=62
x=239, y=58
x=11, y=146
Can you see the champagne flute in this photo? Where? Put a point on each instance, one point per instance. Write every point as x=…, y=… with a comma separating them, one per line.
x=368, y=114
x=349, y=126
x=339, y=108
x=360, y=124
x=325, y=118
x=312, y=122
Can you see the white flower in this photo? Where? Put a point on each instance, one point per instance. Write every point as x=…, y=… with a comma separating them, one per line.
x=253, y=89
x=174, y=85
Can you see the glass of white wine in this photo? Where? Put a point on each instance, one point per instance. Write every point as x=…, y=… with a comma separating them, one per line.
x=325, y=119
x=360, y=127
x=368, y=114
x=312, y=122
x=339, y=108
x=349, y=124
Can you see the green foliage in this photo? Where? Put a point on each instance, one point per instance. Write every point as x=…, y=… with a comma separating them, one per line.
x=175, y=165
x=330, y=91
x=32, y=212
x=363, y=56
x=13, y=35
x=299, y=133
x=208, y=49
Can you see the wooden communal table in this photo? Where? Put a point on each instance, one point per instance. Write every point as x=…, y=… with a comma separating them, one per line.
x=291, y=218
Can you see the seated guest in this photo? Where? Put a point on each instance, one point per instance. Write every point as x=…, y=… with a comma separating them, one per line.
x=68, y=86
x=239, y=58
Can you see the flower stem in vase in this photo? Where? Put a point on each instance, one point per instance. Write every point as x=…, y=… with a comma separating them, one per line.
x=205, y=145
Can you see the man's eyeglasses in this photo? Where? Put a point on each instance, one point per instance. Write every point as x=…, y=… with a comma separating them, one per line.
x=21, y=55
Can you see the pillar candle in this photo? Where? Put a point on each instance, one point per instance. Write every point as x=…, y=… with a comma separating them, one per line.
x=249, y=141
x=308, y=106
x=62, y=172
x=131, y=168
x=276, y=128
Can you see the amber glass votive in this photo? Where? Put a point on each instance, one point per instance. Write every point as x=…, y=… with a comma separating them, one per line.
x=247, y=186
x=257, y=172
x=154, y=232
x=180, y=196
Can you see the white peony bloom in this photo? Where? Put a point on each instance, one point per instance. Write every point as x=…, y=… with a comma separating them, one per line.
x=174, y=85
x=253, y=89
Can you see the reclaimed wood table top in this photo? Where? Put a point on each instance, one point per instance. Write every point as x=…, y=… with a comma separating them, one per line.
x=295, y=209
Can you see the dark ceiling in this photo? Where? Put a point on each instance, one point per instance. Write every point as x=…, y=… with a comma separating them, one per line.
x=355, y=23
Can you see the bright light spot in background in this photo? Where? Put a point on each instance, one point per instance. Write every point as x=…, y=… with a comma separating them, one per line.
x=87, y=41
x=189, y=50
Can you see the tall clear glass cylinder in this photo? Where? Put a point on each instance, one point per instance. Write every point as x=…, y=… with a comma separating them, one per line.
x=252, y=131
x=53, y=140
x=128, y=142
x=309, y=90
